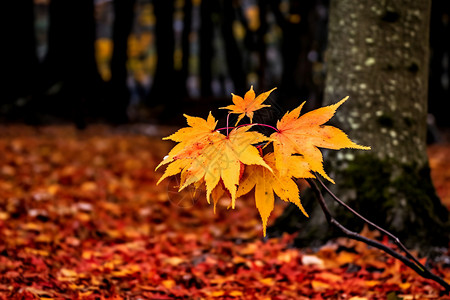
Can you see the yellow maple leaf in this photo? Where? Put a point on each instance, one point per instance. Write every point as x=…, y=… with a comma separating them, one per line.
x=267, y=183
x=248, y=105
x=220, y=158
x=218, y=193
x=303, y=135
x=198, y=130
x=212, y=156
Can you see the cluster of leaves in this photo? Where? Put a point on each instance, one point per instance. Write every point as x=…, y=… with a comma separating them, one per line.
x=82, y=218
x=232, y=163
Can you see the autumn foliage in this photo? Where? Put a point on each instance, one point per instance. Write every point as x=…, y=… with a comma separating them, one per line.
x=231, y=161
x=81, y=217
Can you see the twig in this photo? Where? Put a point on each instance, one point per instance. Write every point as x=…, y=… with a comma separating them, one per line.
x=393, y=237
x=414, y=265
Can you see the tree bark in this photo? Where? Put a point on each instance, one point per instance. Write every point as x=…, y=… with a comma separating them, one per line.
x=378, y=54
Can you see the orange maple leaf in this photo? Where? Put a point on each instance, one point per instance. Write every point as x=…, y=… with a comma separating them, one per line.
x=267, y=183
x=212, y=156
x=303, y=135
x=248, y=105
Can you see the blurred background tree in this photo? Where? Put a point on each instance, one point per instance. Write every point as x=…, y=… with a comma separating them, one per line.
x=150, y=61
x=199, y=50
x=193, y=53
x=20, y=61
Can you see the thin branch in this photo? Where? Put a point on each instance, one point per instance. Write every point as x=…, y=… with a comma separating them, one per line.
x=393, y=237
x=417, y=267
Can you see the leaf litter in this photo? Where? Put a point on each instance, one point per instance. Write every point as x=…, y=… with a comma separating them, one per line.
x=82, y=218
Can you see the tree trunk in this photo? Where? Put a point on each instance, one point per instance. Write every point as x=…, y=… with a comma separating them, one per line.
x=233, y=54
x=206, y=47
x=261, y=45
x=439, y=92
x=119, y=93
x=378, y=55
x=70, y=66
x=165, y=44
x=19, y=61
x=296, y=76
x=185, y=48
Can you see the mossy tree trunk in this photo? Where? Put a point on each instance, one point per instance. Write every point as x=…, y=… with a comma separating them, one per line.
x=378, y=55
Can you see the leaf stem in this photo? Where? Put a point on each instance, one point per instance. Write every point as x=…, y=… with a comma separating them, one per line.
x=265, y=125
x=254, y=124
x=228, y=118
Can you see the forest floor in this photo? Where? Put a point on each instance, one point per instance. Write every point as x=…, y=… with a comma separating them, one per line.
x=81, y=217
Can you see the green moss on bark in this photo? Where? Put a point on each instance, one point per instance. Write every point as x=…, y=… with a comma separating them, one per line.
x=395, y=196
x=399, y=197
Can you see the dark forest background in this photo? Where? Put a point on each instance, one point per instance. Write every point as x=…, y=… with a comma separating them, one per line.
x=122, y=61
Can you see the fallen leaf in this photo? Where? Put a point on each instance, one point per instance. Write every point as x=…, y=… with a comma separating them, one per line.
x=168, y=284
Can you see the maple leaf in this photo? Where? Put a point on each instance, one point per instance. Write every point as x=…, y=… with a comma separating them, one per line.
x=303, y=135
x=217, y=193
x=248, y=105
x=267, y=183
x=212, y=156
x=199, y=129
